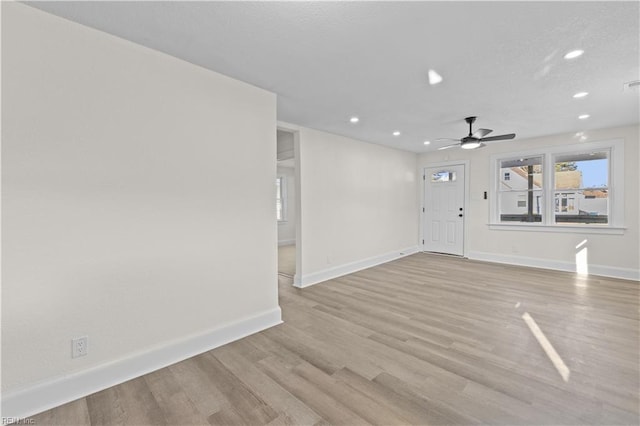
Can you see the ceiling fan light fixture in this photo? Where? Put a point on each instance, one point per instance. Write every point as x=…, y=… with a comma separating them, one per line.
x=470, y=145
x=434, y=77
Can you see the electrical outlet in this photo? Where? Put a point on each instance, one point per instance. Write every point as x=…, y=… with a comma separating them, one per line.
x=79, y=346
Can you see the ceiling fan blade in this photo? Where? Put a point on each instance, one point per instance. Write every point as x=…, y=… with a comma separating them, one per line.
x=480, y=133
x=499, y=137
x=448, y=146
x=446, y=139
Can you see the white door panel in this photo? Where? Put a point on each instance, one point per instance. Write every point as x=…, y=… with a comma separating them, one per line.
x=444, y=209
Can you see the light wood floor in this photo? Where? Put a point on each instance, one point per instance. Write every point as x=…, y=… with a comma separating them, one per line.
x=287, y=260
x=422, y=340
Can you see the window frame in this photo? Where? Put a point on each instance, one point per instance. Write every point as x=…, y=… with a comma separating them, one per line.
x=615, y=225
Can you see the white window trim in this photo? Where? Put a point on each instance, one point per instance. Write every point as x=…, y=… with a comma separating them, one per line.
x=283, y=196
x=616, y=189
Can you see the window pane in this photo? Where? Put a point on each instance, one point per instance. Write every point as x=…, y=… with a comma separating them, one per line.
x=514, y=174
x=585, y=170
x=581, y=183
x=520, y=190
x=443, y=176
x=582, y=206
x=514, y=206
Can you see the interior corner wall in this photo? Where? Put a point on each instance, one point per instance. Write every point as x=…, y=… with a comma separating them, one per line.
x=136, y=189
x=614, y=255
x=358, y=205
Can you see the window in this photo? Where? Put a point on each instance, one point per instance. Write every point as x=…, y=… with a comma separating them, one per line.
x=281, y=199
x=443, y=176
x=581, y=187
x=563, y=187
x=520, y=198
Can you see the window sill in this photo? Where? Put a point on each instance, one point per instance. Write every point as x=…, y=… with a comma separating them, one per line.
x=611, y=230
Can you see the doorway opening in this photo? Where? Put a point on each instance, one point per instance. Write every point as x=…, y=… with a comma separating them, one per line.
x=286, y=202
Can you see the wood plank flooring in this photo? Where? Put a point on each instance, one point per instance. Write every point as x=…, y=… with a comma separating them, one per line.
x=425, y=339
x=287, y=260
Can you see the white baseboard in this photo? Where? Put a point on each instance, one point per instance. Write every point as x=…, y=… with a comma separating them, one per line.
x=46, y=395
x=349, y=268
x=558, y=265
x=286, y=242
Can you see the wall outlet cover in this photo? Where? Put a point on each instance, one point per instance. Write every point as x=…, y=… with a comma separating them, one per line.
x=79, y=346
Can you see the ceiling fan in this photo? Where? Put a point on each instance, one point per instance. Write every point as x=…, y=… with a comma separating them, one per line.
x=475, y=139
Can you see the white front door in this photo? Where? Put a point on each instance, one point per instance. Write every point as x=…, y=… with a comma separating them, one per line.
x=444, y=209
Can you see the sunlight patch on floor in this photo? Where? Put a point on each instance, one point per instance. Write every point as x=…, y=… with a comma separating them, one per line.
x=558, y=363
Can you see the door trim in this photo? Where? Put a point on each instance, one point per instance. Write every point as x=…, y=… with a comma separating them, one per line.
x=465, y=222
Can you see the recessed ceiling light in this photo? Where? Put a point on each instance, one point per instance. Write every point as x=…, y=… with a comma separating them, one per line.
x=396, y=133
x=580, y=94
x=434, y=77
x=574, y=54
x=427, y=142
x=584, y=116
x=354, y=119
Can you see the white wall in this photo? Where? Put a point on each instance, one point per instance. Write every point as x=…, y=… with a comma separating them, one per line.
x=119, y=219
x=287, y=228
x=358, y=205
x=607, y=254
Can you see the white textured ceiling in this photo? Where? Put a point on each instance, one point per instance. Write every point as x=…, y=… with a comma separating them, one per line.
x=327, y=61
